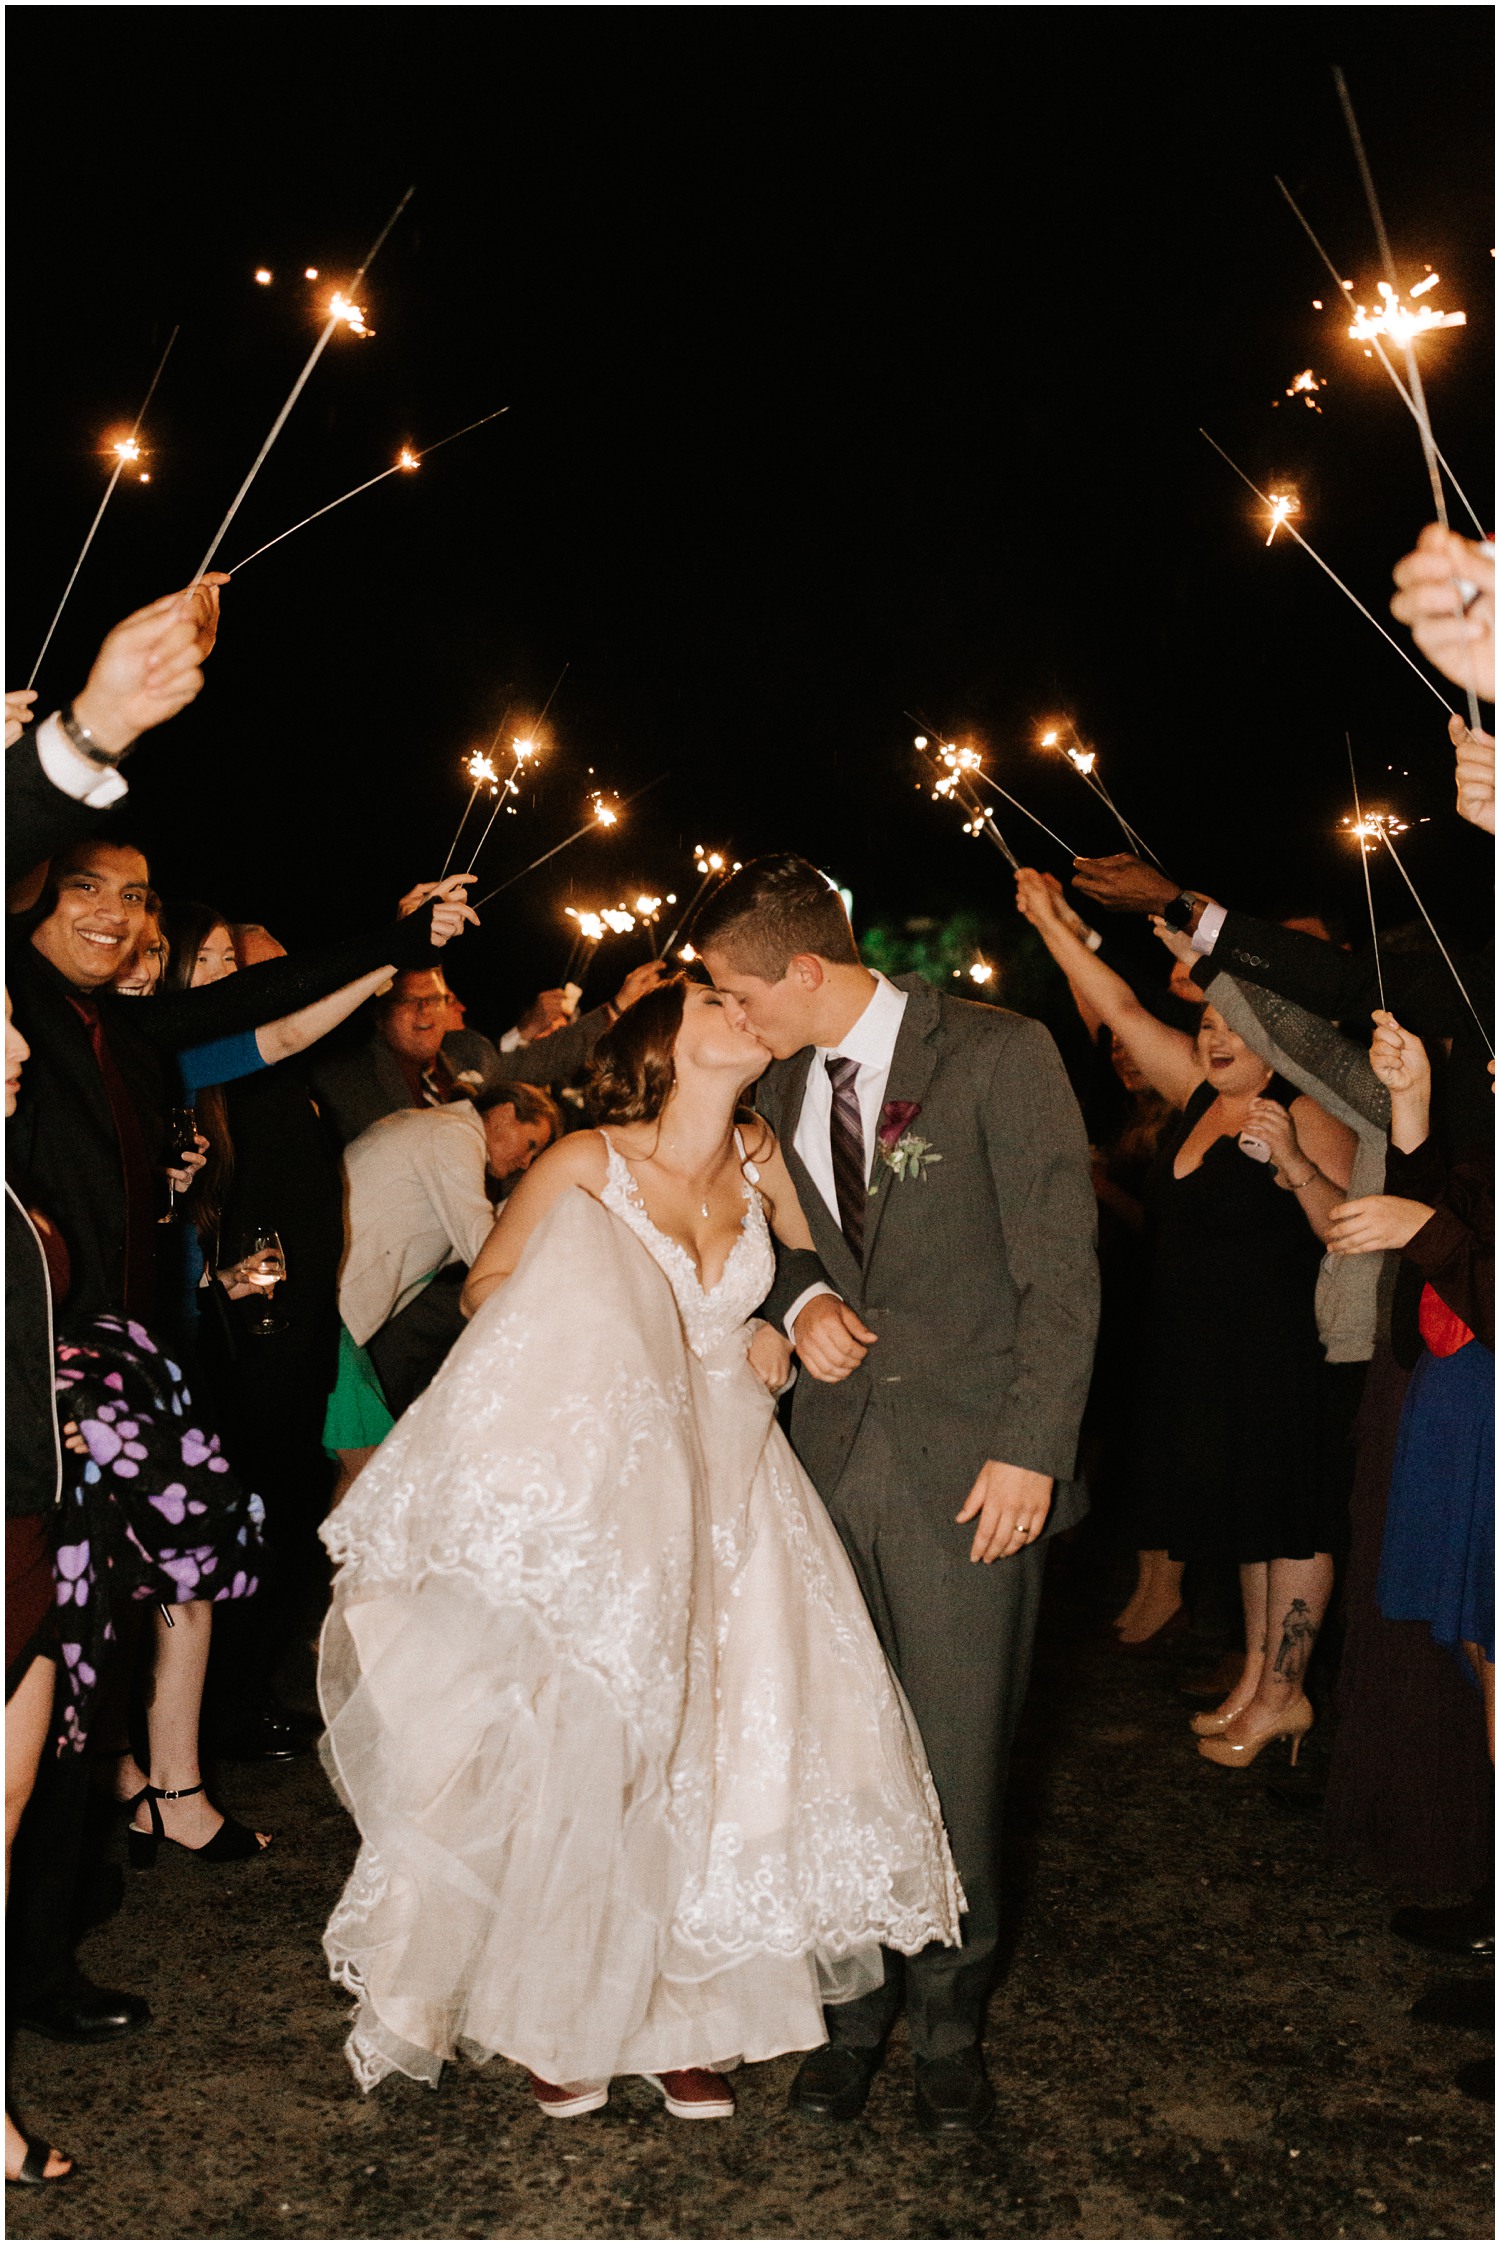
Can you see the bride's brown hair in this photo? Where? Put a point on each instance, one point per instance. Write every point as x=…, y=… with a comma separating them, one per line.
x=633, y=1070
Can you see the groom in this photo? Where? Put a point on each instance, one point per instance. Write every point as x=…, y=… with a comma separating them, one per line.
x=947, y=1321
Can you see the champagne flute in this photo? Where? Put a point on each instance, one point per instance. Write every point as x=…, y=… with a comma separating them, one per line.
x=182, y=1138
x=264, y=1267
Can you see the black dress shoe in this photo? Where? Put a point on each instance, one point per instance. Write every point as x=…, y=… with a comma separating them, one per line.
x=954, y=2097
x=266, y=1737
x=1465, y=1931
x=833, y=2083
x=81, y=2012
x=1458, y=2003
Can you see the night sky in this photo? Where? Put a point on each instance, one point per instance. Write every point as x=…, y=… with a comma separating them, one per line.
x=855, y=360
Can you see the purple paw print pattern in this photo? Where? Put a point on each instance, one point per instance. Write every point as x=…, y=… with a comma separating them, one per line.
x=153, y=1512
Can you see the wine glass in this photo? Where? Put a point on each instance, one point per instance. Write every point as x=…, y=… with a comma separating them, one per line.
x=263, y=1264
x=182, y=1138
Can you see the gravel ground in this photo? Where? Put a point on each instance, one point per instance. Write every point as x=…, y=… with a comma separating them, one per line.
x=1202, y=2033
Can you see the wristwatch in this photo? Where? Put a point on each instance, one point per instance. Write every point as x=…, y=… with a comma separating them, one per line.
x=1179, y=913
x=85, y=743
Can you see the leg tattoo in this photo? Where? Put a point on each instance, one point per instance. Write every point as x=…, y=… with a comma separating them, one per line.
x=1298, y=1632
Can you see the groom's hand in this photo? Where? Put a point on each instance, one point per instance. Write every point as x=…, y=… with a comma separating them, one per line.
x=831, y=1340
x=1012, y=1503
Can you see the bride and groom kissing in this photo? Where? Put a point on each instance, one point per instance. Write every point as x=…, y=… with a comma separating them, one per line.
x=673, y=1744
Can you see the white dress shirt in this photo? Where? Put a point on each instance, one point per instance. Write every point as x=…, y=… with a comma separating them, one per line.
x=72, y=774
x=872, y=1042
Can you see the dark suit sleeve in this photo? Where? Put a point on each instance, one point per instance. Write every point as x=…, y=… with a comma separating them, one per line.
x=797, y=1268
x=1342, y=985
x=40, y=819
x=268, y=993
x=558, y=1058
x=1039, y=1163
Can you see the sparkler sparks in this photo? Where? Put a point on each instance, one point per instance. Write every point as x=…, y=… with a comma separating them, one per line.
x=342, y=310
x=981, y=972
x=1398, y=320
x=1369, y=827
x=1283, y=505
x=407, y=458
x=1293, y=532
x=342, y=305
x=310, y=273
x=125, y=451
x=603, y=814
x=262, y=274
x=1306, y=386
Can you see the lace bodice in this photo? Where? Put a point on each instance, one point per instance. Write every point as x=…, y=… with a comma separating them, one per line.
x=709, y=1316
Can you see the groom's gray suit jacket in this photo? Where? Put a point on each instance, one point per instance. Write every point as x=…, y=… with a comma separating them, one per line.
x=980, y=1279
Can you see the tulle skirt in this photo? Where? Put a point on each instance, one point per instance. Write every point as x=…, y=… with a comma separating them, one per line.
x=636, y=1786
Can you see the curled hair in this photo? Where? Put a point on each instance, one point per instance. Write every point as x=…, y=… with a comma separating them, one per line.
x=772, y=910
x=634, y=1068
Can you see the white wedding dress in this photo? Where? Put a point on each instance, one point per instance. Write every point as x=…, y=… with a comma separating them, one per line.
x=636, y=1787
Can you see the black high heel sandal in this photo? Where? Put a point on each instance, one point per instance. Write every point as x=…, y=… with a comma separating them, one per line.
x=34, y=2166
x=232, y=1843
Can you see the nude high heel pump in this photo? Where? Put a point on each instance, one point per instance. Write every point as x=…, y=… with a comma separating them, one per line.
x=1215, y=1720
x=1238, y=1753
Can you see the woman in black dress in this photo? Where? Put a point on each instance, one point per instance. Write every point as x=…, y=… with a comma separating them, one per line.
x=1226, y=1432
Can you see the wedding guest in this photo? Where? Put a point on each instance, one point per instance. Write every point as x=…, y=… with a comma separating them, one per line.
x=1410, y=1790
x=1227, y=1408
x=521, y=1121
x=417, y=1202
x=404, y=1062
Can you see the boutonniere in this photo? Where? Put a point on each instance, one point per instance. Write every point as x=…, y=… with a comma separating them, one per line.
x=897, y=1144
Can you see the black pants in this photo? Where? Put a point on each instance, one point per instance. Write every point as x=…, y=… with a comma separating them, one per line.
x=960, y=1638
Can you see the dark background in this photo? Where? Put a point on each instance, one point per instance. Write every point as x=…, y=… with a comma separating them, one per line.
x=855, y=360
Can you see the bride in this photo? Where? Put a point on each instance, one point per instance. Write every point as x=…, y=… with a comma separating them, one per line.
x=636, y=1788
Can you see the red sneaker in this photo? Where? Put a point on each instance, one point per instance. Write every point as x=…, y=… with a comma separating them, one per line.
x=695, y=2094
x=567, y=2100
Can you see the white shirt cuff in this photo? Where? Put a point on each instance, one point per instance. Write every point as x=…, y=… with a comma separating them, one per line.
x=1206, y=934
x=512, y=1041
x=808, y=1294
x=72, y=774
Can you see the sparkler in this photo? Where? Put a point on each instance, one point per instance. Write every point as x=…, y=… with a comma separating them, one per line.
x=522, y=753
x=1362, y=833
x=1379, y=826
x=406, y=459
x=1293, y=532
x=1085, y=762
x=482, y=772
x=1401, y=390
x=954, y=786
x=125, y=453
x=343, y=311
x=1305, y=385
x=1284, y=504
x=711, y=865
x=981, y=972
x=605, y=812
x=593, y=927
x=1402, y=330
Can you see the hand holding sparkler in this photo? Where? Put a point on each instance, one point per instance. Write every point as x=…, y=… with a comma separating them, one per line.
x=1474, y=774
x=549, y=1011
x=1447, y=596
x=1123, y=883
x=18, y=714
x=639, y=981
x=1397, y=1057
x=451, y=912
x=149, y=668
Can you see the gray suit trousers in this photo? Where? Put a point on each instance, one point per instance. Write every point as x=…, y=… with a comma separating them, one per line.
x=960, y=1638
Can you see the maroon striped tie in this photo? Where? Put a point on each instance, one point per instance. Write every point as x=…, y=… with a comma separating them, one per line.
x=846, y=1134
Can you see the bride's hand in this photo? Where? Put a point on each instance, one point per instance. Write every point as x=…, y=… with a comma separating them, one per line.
x=769, y=1357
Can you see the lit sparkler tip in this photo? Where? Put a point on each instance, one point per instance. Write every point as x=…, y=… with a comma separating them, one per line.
x=407, y=458
x=1283, y=505
x=647, y=907
x=603, y=815
x=523, y=749
x=262, y=274
x=687, y=954
x=480, y=768
x=920, y=741
x=128, y=449
x=352, y=315
x=1049, y=740
x=1400, y=321
x=981, y=971
x=1082, y=760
